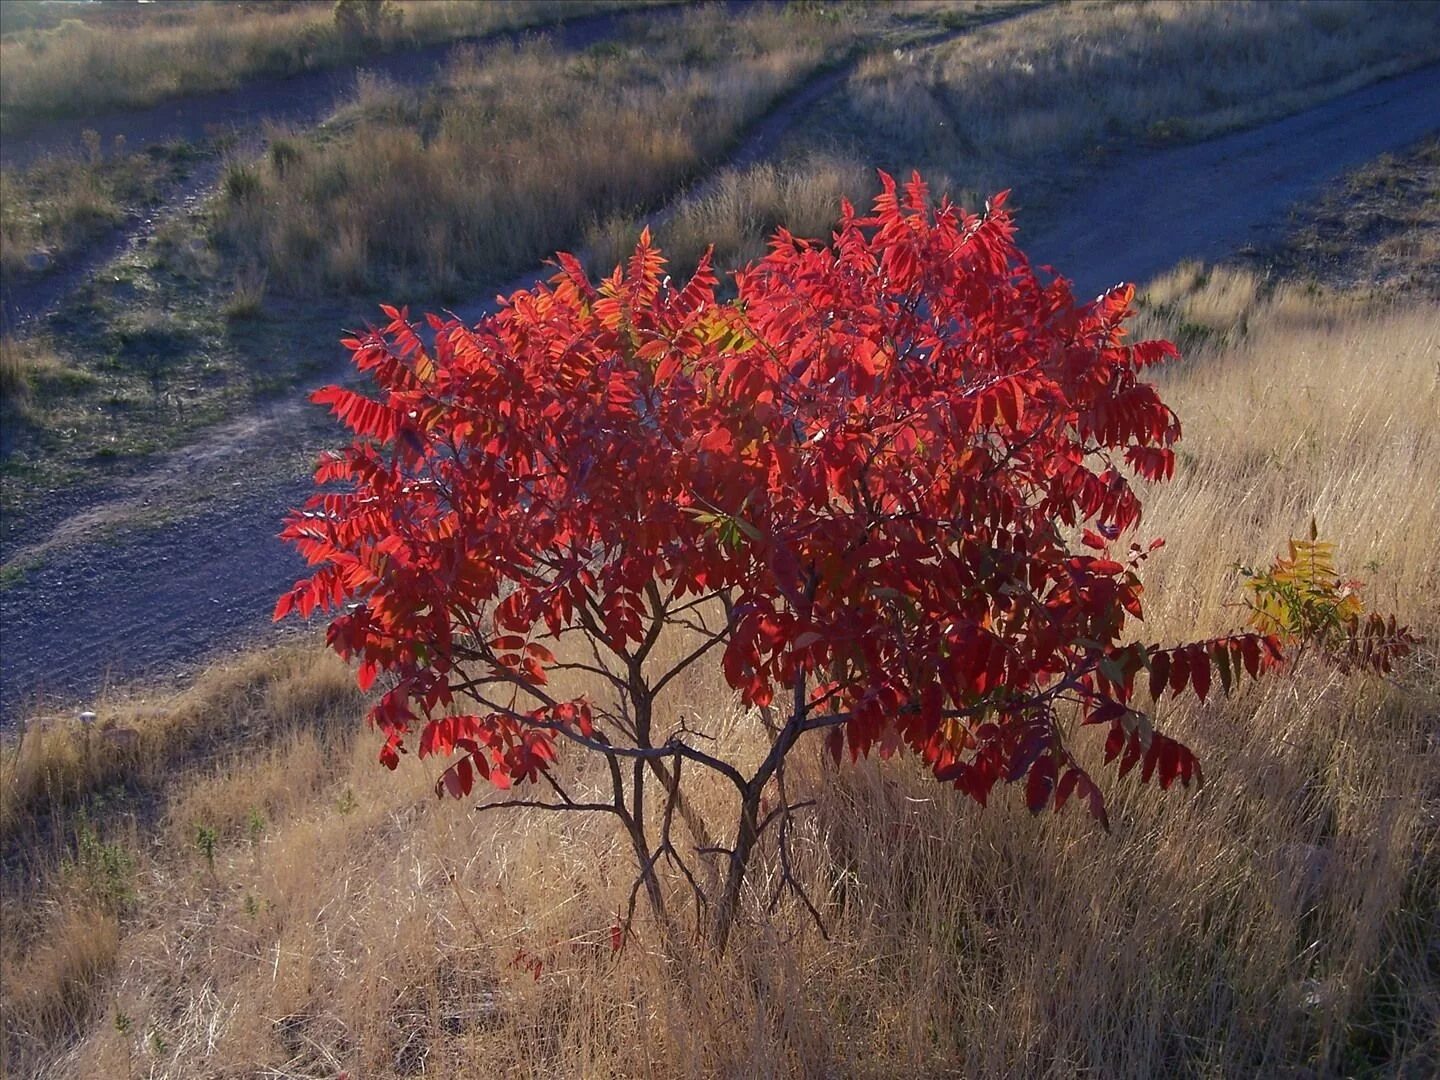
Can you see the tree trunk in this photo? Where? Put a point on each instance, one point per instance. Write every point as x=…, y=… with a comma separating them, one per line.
x=745, y=838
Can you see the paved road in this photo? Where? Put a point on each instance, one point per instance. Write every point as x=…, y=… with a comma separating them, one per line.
x=141, y=600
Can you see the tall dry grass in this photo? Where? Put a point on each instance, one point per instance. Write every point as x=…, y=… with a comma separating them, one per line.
x=82, y=803
x=1280, y=922
x=737, y=209
x=1069, y=76
x=30, y=368
x=57, y=764
x=83, y=65
x=513, y=152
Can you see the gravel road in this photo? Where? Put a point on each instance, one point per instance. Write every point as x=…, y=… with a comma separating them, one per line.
x=94, y=596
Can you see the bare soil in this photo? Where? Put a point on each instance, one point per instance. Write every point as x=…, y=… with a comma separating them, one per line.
x=1379, y=228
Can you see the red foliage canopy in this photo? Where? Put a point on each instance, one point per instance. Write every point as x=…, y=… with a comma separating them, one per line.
x=899, y=461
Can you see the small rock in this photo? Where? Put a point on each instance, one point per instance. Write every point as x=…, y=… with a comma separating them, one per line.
x=37, y=261
x=1321, y=994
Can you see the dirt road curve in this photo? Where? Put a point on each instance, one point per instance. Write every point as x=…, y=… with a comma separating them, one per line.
x=102, y=603
x=308, y=98
x=1209, y=199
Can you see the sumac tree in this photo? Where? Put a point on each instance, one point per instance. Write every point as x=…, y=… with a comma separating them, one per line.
x=889, y=487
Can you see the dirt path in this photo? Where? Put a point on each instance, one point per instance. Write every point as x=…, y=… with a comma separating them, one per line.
x=1208, y=200
x=302, y=100
x=101, y=596
x=307, y=99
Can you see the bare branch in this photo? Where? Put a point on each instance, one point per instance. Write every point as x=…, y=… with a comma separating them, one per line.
x=647, y=871
x=787, y=871
x=783, y=810
x=608, y=676
x=691, y=658
x=555, y=786
x=670, y=748
x=658, y=613
x=535, y=804
x=672, y=802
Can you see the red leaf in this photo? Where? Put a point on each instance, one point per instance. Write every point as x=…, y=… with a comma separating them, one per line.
x=540, y=654
x=1250, y=650
x=1132, y=754
x=1066, y=786
x=1108, y=712
x=365, y=675
x=1091, y=793
x=1159, y=673
x=457, y=780
x=1114, y=742
x=1199, y=661
x=1040, y=783
x=1179, y=671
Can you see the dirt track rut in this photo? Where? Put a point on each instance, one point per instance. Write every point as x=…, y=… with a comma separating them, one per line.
x=105, y=602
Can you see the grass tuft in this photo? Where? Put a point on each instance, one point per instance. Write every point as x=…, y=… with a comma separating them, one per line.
x=248, y=300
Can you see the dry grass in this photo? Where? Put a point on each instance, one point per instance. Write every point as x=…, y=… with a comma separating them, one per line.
x=737, y=209
x=1063, y=79
x=512, y=153
x=15, y=373
x=54, y=210
x=1281, y=922
x=76, y=800
x=28, y=366
x=59, y=763
x=248, y=299
x=87, y=64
